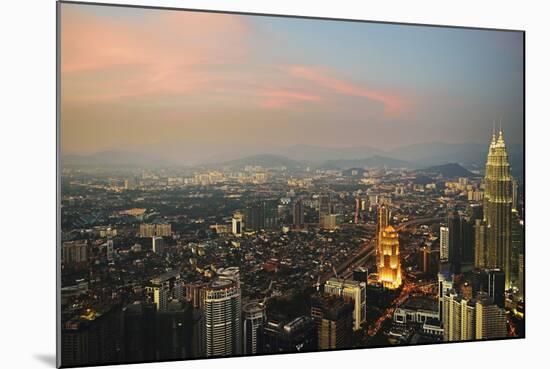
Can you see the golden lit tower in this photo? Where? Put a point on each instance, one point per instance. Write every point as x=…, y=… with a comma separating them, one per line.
x=383, y=222
x=497, y=207
x=389, y=265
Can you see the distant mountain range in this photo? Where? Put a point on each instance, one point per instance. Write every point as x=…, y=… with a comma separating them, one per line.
x=450, y=170
x=372, y=162
x=467, y=155
x=264, y=160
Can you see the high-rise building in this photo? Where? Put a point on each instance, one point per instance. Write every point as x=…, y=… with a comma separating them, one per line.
x=157, y=229
x=490, y=319
x=389, y=265
x=74, y=253
x=271, y=215
x=444, y=244
x=231, y=273
x=490, y=281
x=254, y=217
x=515, y=194
x=175, y=331
x=166, y=287
x=458, y=318
x=467, y=244
x=237, y=224
x=157, y=244
x=253, y=317
x=222, y=318
x=329, y=221
x=350, y=290
x=425, y=253
x=474, y=211
x=325, y=207
x=521, y=274
x=497, y=207
x=298, y=213
x=279, y=335
x=444, y=285
x=517, y=249
x=454, y=223
x=147, y=230
x=91, y=339
x=139, y=332
x=110, y=250
x=480, y=244
x=477, y=318
x=383, y=219
x=361, y=274
x=163, y=229
x=333, y=317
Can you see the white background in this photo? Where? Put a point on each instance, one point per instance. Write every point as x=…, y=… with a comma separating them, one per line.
x=27, y=206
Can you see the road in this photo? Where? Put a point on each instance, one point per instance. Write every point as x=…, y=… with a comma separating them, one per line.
x=345, y=269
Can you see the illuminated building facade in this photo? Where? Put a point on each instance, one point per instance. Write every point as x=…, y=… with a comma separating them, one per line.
x=497, y=207
x=490, y=319
x=389, y=265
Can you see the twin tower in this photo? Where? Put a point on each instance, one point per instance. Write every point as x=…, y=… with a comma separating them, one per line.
x=494, y=251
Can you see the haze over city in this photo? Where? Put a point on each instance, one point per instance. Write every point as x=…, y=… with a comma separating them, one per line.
x=246, y=185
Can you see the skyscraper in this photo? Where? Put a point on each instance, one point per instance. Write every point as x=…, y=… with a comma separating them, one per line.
x=480, y=244
x=389, y=265
x=455, y=238
x=324, y=206
x=517, y=249
x=157, y=244
x=444, y=244
x=222, y=318
x=497, y=207
x=491, y=282
x=237, y=224
x=490, y=319
x=254, y=217
x=298, y=213
x=444, y=285
x=333, y=316
x=458, y=318
x=279, y=335
x=253, y=316
x=350, y=290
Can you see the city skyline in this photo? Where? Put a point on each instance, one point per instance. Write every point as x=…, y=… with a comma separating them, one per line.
x=235, y=185
x=123, y=74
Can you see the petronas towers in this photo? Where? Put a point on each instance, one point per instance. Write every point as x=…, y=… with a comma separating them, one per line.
x=494, y=250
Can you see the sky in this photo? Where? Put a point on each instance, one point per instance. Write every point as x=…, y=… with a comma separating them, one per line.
x=163, y=80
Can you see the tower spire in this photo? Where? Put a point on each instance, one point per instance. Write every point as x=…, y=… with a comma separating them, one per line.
x=500, y=135
x=494, y=138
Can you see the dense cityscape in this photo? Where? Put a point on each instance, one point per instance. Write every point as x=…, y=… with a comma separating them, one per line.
x=237, y=184
x=264, y=255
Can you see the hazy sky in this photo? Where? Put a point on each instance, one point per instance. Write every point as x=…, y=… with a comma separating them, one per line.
x=140, y=78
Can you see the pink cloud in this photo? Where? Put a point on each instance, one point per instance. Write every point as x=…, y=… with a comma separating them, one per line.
x=105, y=59
x=279, y=98
x=392, y=104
